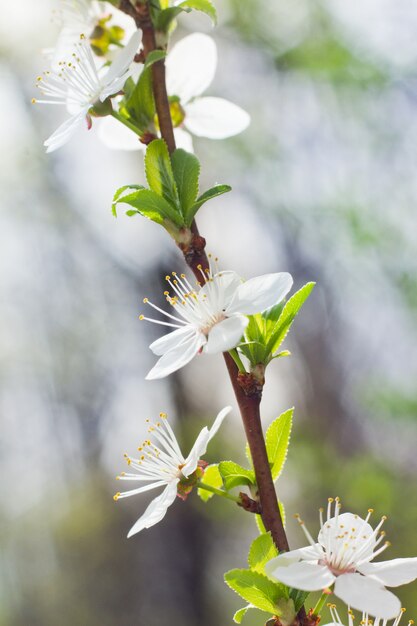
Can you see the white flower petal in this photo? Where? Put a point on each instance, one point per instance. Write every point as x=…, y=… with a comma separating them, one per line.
x=172, y=340
x=352, y=525
x=221, y=289
x=200, y=446
x=391, y=573
x=304, y=575
x=226, y=334
x=177, y=357
x=116, y=136
x=156, y=510
x=260, y=293
x=64, y=132
x=190, y=66
x=309, y=553
x=215, y=118
x=366, y=594
x=183, y=140
x=123, y=59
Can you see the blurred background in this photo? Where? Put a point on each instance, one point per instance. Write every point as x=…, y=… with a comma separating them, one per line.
x=324, y=187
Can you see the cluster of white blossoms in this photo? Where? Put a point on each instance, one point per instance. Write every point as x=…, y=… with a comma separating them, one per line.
x=342, y=557
x=212, y=316
x=164, y=465
x=82, y=82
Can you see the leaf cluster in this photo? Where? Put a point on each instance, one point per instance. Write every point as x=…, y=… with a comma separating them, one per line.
x=266, y=331
x=261, y=592
x=172, y=199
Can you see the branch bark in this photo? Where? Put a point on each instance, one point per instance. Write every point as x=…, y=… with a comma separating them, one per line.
x=248, y=398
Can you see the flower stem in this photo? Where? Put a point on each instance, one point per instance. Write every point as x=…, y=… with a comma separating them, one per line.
x=126, y=122
x=320, y=604
x=219, y=492
x=235, y=356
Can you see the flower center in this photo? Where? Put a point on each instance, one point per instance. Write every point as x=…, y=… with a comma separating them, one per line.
x=216, y=319
x=337, y=571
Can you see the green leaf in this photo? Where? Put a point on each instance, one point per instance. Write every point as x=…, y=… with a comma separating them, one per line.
x=118, y=193
x=159, y=173
x=213, y=478
x=205, y=6
x=186, y=169
x=139, y=104
x=257, y=589
x=261, y=551
x=285, y=320
x=240, y=614
x=153, y=57
x=260, y=524
x=277, y=440
x=167, y=16
x=299, y=597
x=154, y=207
x=215, y=191
x=234, y=474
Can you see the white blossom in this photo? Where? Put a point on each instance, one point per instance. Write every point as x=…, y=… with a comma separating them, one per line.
x=163, y=465
x=342, y=556
x=190, y=69
x=79, y=85
x=212, y=317
x=82, y=16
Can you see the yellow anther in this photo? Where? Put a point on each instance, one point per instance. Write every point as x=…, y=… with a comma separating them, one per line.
x=82, y=36
x=330, y=500
x=116, y=496
x=141, y=317
x=370, y=510
x=199, y=266
x=182, y=275
x=145, y=300
x=166, y=293
x=33, y=101
x=163, y=415
x=167, y=277
x=403, y=610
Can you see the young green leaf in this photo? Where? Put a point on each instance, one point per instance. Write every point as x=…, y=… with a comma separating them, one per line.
x=261, y=551
x=299, y=597
x=215, y=191
x=151, y=205
x=206, y=6
x=166, y=17
x=159, y=173
x=277, y=441
x=186, y=170
x=213, y=478
x=153, y=57
x=139, y=104
x=118, y=193
x=240, y=614
x=257, y=589
x=285, y=320
x=234, y=474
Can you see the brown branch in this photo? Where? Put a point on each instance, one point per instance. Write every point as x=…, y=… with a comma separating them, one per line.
x=247, y=389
